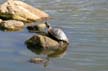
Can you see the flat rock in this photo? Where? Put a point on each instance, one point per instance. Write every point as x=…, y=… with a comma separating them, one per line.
x=11, y=25
x=37, y=60
x=37, y=28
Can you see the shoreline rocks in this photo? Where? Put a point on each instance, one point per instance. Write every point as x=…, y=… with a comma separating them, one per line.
x=21, y=13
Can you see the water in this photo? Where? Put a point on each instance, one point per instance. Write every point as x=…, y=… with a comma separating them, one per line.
x=84, y=22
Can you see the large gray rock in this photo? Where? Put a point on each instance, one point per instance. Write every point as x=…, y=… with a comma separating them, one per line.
x=18, y=10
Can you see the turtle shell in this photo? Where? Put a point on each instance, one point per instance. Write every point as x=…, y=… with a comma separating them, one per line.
x=58, y=34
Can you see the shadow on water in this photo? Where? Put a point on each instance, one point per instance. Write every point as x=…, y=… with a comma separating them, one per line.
x=49, y=52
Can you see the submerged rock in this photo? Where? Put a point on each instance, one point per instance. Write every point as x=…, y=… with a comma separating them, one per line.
x=37, y=60
x=11, y=25
x=18, y=10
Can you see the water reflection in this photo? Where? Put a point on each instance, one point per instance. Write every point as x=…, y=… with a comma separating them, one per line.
x=48, y=53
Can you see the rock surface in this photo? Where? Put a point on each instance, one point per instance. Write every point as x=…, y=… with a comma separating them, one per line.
x=42, y=41
x=1, y=20
x=18, y=10
x=11, y=25
x=37, y=60
x=38, y=28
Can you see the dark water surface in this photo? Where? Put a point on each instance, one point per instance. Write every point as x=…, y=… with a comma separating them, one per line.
x=85, y=23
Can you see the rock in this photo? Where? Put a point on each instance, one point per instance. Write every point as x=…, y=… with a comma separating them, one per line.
x=18, y=10
x=38, y=28
x=37, y=60
x=1, y=20
x=49, y=52
x=42, y=42
x=11, y=25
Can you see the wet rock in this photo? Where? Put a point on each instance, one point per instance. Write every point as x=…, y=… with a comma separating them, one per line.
x=44, y=45
x=11, y=25
x=37, y=60
x=42, y=42
x=49, y=52
x=38, y=28
x=18, y=10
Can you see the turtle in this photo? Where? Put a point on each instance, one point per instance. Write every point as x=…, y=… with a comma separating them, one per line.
x=57, y=33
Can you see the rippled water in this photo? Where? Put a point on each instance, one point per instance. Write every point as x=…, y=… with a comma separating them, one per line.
x=85, y=23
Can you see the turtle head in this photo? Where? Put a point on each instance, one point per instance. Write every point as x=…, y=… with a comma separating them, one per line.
x=47, y=25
